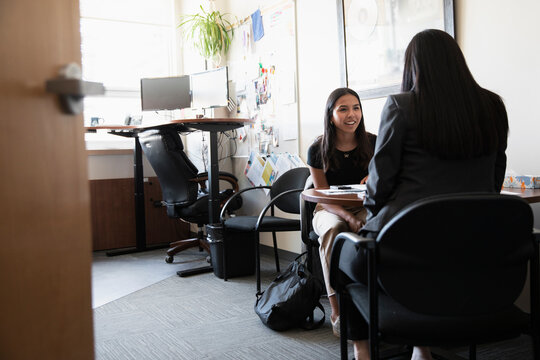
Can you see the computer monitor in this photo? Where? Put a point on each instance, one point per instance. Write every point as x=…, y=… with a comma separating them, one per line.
x=168, y=93
x=210, y=89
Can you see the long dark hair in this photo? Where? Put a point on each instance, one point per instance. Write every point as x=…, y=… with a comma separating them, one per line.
x=456, y=118
x=363, y=152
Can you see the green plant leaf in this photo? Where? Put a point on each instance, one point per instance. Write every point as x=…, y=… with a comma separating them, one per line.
x=208, y=33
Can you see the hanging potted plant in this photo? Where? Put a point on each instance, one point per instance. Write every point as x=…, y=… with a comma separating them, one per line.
x=209, y=32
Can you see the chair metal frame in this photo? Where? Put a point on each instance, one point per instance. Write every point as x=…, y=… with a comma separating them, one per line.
x=275, y=201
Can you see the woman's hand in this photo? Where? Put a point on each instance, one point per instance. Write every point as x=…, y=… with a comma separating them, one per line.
x=354, y=223
x=364, y=180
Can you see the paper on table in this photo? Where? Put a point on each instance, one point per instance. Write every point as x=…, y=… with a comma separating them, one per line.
x=351, y=187
x=508, y=193
x=340, y=191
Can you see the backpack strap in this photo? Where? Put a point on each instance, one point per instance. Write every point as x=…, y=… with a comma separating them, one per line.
x=310, y=324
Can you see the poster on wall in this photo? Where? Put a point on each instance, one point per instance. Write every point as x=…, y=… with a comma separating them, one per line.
x=376, y=34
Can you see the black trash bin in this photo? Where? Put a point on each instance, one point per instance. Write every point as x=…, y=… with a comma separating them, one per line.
x=239, y=256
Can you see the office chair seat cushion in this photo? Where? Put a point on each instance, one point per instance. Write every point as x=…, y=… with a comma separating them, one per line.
x=197, y=212
x=269, y=223
x=401, y=326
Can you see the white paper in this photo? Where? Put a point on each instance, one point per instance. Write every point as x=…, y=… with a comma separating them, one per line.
x=351, y=187
x=283, y=164
x=341, y=192
x=503, y=192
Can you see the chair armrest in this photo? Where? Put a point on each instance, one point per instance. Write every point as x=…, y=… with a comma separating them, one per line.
x=221, y=215
x=345, y=248
x=220, y=173
x=306, y=214
x=534, y=270
x=306, y=217
x=357, y=240
x=225, y=176
x=265, y=209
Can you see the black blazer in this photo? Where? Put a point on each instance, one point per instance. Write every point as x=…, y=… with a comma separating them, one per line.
x=401, y=172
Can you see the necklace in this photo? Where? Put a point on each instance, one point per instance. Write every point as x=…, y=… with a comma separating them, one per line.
x=347, y=154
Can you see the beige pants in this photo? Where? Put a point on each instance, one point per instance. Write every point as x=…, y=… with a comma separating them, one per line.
x=328, y=226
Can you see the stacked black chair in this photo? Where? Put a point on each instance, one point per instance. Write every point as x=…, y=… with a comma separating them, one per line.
x=284, y=195
x=444, y=272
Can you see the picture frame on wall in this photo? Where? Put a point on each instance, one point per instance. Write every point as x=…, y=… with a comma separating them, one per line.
x=375, y=34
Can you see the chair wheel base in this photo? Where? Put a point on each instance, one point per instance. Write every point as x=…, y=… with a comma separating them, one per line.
x=195, y=271
x=169, y=259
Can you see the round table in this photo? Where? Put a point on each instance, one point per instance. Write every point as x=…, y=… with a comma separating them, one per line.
x=313, y=195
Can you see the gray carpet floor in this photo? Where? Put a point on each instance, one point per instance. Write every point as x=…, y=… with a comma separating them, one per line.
x=204, y=317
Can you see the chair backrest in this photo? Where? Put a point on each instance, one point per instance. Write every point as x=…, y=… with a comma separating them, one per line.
x=165, y=153
x=289, y=180
x=458, y=254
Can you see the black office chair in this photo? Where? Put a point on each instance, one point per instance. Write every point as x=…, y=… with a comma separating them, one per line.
x=445, y=271
x=308, y=235
x=184, y=188
x=284, y=194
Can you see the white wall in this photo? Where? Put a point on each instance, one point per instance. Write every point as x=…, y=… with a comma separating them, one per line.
x=500, y=42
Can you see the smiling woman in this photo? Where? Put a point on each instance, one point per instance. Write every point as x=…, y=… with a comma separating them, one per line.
x=339, y=157
x=346, y=117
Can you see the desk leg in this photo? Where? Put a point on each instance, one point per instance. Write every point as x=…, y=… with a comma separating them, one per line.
x=213, y=194
x=213, y=175
x=213, y=200
x=140, y=219
x=138, y=177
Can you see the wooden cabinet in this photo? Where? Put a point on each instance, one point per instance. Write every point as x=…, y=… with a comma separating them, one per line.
x=113, y=215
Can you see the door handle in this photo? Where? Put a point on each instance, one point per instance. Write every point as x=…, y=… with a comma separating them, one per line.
x=71, y=89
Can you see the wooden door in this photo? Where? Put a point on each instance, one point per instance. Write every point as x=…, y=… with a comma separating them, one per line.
x=45, y=247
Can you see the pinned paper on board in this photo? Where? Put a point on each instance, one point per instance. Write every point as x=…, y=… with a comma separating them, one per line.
x=264, y=170
x=258, y=29
x=254, y=169
x=269, y=173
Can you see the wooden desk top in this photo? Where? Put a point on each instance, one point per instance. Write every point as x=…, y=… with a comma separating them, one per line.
x=315, y=196
x=203, y=121
x=312, y=195
x=530, y=195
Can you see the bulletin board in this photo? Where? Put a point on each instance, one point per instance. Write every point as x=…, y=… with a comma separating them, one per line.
x=262, y=68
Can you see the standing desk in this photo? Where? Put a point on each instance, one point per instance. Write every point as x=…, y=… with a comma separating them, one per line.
x=213, y=126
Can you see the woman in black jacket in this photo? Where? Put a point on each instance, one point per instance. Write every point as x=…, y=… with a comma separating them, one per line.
x=443, y=134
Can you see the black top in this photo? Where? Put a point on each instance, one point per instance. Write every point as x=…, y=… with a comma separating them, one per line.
x=401, y=172
x=346, y=172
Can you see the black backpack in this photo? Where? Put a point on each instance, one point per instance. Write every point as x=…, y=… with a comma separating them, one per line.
x=290, y=300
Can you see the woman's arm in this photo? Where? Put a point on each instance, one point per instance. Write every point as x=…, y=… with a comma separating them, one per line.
x=319, y=181
x=386, y=162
